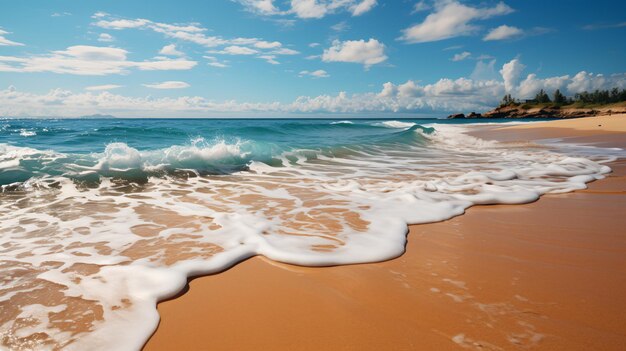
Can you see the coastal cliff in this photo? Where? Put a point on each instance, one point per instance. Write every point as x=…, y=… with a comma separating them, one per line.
x=582, y=104
x=522, y=111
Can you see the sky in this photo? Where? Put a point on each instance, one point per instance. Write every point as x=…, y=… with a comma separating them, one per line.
x=301, y=58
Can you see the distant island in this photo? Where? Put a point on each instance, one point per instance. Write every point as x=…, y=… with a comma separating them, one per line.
x=585, y=104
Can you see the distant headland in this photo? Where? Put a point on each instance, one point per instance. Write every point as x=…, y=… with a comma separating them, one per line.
x=585, y=104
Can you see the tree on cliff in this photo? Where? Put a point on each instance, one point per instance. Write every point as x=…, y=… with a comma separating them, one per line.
x=559, y=98
x=507, y=100
x=542, y=97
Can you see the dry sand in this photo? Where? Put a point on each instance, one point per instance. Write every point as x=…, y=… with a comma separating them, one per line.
x=546, y=276
x=599, y=131
x=601, y=124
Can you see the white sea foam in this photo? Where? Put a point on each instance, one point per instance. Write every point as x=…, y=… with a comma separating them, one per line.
x=107, y=254
x=342, y=122
x=27, y=133
x=120, y=156
x=396, y=124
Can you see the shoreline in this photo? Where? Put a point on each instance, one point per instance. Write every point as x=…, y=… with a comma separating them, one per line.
x=459, y=283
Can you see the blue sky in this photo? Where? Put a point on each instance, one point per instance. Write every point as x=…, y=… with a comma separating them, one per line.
x=300, y=57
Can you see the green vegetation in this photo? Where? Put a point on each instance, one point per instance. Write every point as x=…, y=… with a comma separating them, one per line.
x=598, y=98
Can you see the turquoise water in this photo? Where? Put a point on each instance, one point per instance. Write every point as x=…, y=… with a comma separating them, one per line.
x=137, y=148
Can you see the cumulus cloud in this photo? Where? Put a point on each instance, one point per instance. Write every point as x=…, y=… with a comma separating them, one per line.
x=441, y=97
x=511, y=73
x=368, y=53
x=170, y=50
x=103, y=87
x=503, y=32
x=6, y=42
x=462, y=56
x=451, y=19
x=320, y=73
x=88, y=60
x=168, y=85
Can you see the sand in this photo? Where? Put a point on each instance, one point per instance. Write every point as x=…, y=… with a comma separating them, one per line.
x=546, y=276
x=599, y=131
x=601, y=124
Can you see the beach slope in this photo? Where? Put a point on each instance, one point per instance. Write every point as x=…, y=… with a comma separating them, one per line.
x=547, y=276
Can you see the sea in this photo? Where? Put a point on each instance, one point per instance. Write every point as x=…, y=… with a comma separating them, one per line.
x=102, y=218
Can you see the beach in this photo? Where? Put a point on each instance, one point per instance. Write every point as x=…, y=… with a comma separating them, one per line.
x=546, y=275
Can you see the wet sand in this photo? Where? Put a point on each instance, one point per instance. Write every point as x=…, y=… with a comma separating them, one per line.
x=547, y=276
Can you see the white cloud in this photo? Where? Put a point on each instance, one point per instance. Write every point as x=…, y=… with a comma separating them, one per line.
x=217, y=64
x=420, y=6
x=503, y=32
x=511, y=73
x=6, y=42
x=368, y=53
x=168, y=85
x=340, y=27
x=170, y=50
x=363, y=7
x=604, y=26
x=105, y=38
x=484, y=71
x=271, y=59
x=462, y=56
x=214, y=62
x=191, y=32
x=194, y=33
x=99, y=14
x=235, y=50
x=443, y=96
x=103, y=87
x=87, y=60
x=267, y=44
x=263, y=7
x=583, y=81
x=123, y=23
x=314, y=45
x=60, y=14
x=451, y=19
x=309, y=8
x=320, y=73
x=284, y=51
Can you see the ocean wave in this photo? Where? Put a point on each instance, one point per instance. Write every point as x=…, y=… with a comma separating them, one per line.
x=395, y=124
x=199, y=155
